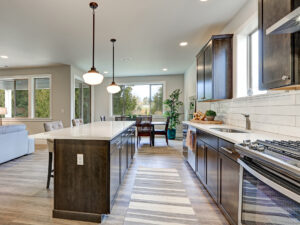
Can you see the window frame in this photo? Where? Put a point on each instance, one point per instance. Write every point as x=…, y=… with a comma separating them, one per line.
x=32, y=79
x=163, y=83
x=250, y=91
x=31, y=103
x=81, y=83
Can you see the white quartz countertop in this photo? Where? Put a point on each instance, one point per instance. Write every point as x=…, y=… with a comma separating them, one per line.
x=237, y=138
x=106, y=130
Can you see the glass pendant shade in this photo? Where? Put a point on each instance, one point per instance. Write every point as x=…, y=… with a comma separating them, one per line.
x=113, y=88
x=93, y=77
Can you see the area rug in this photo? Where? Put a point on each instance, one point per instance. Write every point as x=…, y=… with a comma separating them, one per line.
x=159, y=197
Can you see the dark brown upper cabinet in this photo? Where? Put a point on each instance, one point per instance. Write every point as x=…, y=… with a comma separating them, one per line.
x=279, y=53
x=214, y=69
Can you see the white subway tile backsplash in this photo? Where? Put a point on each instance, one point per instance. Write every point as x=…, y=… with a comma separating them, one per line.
x=276, y=112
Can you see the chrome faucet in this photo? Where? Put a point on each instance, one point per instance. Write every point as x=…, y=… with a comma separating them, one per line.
x=248, y=123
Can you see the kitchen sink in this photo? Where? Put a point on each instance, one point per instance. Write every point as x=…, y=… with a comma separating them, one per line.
x=228, y=130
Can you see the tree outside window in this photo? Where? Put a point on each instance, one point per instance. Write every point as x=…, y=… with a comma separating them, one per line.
x=42, y=97
x=139, y=100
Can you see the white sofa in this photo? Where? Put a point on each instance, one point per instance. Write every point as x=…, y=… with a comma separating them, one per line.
x=14, y=142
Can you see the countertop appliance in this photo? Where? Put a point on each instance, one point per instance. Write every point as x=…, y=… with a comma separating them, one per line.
x=270, y=182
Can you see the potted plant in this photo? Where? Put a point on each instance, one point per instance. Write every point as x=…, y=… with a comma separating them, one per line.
x=210, y=115
x=172, y=111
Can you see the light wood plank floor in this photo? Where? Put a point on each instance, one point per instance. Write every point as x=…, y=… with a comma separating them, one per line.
x=25, y=200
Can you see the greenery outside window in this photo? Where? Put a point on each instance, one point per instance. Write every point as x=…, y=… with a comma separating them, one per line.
x=82, y=101
x=14, y=97
x=142, y=99
x=41, y=97
x=26, y=97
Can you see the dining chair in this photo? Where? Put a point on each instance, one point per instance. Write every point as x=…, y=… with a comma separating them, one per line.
x=49, y=126
x=163, y=131
x=77, y=122
x=118, y=118
x=144, y=128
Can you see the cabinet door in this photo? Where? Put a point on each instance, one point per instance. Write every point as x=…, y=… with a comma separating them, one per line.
x=200, y=76
x=114, y=169
x=212, y=171
x=276, y=50
x=123, y=156
x=229, y=187
x=208, y=72
x=201, y=153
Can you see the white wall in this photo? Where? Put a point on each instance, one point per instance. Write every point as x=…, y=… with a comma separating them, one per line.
x=190, y=86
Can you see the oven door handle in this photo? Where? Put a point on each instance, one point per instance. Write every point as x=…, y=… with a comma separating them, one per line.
x=270, y=183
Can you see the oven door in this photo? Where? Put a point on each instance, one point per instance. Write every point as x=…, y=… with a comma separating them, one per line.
x=267, y=199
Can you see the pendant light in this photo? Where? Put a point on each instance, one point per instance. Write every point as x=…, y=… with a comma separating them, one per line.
x=113, y=88
x=93, y=77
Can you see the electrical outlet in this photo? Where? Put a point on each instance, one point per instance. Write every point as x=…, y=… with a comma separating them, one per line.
x=80, y=160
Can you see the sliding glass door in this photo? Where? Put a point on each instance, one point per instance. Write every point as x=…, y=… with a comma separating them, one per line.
x=82, y=101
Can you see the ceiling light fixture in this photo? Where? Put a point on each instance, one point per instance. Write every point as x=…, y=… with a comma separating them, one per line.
x=203, y=0
x=165, y=69
x=93, y=77
x=4, y=56
x=184, y=43
x=298, y=19
x=113, y=88
x=105, y=72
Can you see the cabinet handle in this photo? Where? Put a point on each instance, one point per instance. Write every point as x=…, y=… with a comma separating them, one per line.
x=226, y=150
x=285, y=77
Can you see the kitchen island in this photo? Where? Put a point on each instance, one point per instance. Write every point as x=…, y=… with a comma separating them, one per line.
x=90, y=162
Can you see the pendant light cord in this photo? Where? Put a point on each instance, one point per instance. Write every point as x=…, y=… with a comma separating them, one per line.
x=113, y=61
x=93, y=38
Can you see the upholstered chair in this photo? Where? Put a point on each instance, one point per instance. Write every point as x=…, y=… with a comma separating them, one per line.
x=49, y=126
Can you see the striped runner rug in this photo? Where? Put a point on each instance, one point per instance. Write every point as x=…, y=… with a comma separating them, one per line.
x=159, y=197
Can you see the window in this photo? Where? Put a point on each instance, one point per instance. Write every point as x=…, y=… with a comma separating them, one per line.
x=26, y=97
x=82, y=101
x=14, y=97
x=253, y=69
x=144, y=99
x=41, y=97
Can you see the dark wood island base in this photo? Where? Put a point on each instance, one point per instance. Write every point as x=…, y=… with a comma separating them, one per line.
x=87, y=192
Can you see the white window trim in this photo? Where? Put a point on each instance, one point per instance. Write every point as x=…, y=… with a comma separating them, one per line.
x=140, y=83
x=31, y=113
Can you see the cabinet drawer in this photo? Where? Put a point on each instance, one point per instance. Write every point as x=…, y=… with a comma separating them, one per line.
x=208, y=139
x=227, y=148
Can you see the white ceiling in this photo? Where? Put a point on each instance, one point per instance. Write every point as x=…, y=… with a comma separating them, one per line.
x=148, y=32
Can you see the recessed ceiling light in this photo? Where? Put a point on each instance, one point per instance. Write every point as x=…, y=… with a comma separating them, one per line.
x=298, y=19
x=203, y=0
x=4, y=56
x=106, y=72
x=184, y=43
x=165, y=69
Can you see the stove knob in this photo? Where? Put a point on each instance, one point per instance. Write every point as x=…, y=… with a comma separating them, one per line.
x=246, y=142
x=260, y=148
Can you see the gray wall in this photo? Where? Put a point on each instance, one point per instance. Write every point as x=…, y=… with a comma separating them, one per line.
x=60, y=95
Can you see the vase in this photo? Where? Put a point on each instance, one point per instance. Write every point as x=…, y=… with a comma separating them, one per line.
x=171, y=134
x=210, y=118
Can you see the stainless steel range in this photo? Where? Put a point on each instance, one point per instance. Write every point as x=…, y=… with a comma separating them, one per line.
x=270, y=187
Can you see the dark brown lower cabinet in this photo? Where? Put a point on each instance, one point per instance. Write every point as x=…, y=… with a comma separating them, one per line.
x=229, y=187
x=124, y=156
x=201, y=169
x=115, y=147
x=212, y=171
x=215, y=164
